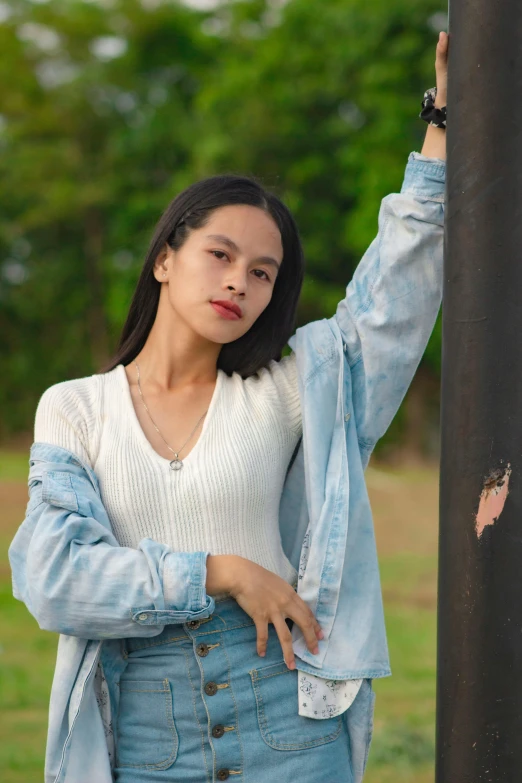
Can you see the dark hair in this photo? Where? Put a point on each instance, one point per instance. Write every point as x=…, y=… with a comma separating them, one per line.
x=192, y=209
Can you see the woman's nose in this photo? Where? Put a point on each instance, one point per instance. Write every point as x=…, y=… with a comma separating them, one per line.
x=236, y=282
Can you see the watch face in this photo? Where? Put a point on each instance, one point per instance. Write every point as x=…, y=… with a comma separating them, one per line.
x=429, y=97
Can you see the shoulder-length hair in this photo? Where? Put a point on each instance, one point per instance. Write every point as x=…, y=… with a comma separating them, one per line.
x=192, y=209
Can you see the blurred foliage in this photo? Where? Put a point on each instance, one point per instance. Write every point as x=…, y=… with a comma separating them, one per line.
x=109, y=108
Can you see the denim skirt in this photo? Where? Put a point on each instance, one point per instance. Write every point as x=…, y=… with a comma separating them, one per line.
x=197, y=704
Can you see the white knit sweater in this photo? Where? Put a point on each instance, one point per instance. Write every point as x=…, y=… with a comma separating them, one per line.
x=225, y=499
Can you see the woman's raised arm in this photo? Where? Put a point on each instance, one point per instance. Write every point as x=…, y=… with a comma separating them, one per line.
x=392, y=301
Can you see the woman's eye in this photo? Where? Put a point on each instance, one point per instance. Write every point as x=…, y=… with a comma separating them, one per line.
x=219, y=254
x=262, y=271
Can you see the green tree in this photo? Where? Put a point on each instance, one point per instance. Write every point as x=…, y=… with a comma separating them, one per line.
x=97, y=128
x=110, y=108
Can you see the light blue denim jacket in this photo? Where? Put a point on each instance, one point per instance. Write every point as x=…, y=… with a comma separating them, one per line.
x=353, y=370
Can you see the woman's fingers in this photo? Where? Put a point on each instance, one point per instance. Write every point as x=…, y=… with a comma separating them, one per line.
x=262, y=636
x=274, y=604
x=303, y=608
x=442, y=45
x=305, y=619
x=441, y=69
x=317, y=628
x=307, y=627
x=441, y=54
x=285, y=638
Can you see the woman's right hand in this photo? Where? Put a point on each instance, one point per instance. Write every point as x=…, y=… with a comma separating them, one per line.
x=266, y=598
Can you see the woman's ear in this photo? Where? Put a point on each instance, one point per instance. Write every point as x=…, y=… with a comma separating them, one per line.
x=161, y=266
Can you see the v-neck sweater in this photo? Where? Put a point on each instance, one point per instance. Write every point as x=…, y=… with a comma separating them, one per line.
x=225, y=498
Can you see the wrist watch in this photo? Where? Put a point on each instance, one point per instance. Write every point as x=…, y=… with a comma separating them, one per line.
x=429, y=113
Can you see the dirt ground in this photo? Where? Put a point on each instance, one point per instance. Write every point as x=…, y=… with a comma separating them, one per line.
x=405, y=509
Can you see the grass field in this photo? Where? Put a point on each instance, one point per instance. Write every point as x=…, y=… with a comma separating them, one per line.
x=405, y=510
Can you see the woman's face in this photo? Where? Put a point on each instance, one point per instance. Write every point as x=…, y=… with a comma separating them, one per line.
x=233, y=259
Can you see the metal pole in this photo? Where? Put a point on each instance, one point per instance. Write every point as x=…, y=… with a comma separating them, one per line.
x=479, y=688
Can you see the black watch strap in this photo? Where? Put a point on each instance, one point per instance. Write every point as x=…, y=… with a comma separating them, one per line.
x=429, y=113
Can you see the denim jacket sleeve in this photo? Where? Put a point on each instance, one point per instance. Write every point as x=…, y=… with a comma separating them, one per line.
x=392, y=301
x=74, y=577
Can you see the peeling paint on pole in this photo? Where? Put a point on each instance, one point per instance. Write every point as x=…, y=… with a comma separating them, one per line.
x=492, y=498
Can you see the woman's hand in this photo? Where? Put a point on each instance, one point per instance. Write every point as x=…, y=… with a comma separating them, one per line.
x=435, y=141
x=441, y=70
x=266, y=598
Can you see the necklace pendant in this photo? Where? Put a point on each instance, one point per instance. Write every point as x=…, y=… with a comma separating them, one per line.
x=176, y=464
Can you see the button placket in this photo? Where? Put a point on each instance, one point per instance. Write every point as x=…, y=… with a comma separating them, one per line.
x=220, y=706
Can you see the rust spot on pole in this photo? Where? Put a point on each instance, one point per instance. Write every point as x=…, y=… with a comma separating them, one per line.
x=492, y=498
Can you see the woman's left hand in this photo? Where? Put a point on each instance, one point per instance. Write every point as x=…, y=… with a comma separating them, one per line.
x=435, y=142
x=441, y=70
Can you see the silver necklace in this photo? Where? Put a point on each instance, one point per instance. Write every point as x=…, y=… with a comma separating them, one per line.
x=176, y=463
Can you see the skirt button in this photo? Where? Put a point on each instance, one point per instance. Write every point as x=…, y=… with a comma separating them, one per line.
x=223, y=774
x=218, y=730
x=202, y=650
x=193, y=624
x=211, y=688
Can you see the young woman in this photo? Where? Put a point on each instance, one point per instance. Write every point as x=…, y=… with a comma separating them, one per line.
x=198, y=528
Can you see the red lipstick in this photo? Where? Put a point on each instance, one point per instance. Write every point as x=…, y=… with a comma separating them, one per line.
x=227, y=309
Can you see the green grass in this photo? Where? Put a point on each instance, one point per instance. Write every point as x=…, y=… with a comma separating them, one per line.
x=27, y=657
x=403, y=741
x=14, y=466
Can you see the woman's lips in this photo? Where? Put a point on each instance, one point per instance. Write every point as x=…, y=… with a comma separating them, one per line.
x=225, y=312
